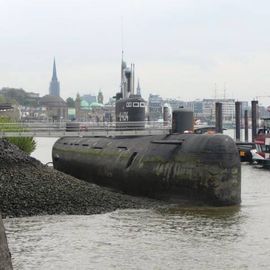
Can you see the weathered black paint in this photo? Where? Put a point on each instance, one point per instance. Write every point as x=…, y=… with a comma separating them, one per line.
x=127, y=114
x=177, y=166
x=182, y=120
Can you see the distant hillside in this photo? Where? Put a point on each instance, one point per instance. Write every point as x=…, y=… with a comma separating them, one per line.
x=19, y=96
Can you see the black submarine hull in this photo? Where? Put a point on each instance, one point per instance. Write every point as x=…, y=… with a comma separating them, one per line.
x=202, y=168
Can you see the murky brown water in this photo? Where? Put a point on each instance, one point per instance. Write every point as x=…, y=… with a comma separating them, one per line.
x=167, y=238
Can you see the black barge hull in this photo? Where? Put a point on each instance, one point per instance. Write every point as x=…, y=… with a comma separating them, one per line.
x=175, y=167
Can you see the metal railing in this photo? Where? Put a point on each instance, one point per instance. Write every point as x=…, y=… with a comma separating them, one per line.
x=60, y=129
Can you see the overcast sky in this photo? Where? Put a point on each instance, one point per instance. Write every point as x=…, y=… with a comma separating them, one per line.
x=181, y=48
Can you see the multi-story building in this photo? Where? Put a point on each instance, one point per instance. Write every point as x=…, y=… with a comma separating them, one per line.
x=175, y=103
x=89, y=98
x=196, y=106
x=7, y=110
x=93, y=111
x=228, y=109
x=55, y=108
x=155, y=105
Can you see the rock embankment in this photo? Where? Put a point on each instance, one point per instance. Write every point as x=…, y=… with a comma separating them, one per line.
x=28, y=187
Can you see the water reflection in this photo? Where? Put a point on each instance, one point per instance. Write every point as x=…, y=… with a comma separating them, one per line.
x=214, y=223
x=128, y=239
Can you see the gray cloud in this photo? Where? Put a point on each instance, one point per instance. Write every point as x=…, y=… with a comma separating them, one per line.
x=180, y=48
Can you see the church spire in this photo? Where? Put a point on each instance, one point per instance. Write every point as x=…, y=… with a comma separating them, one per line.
x=54, y=76
x=54, y=89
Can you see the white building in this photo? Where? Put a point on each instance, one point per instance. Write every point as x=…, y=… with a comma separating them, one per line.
x=228, y=109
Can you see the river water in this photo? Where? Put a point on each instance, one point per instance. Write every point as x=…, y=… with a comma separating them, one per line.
x=172, y=237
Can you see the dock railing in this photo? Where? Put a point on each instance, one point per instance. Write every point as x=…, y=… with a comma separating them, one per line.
x=60, y=129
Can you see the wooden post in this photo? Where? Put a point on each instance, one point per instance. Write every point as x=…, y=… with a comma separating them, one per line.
x=219, y=128
x=5, y=258
x=254, y=104
x=237, y=120
x=246, y=125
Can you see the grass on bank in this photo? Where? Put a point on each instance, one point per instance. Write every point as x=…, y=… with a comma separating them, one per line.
x=26, y=144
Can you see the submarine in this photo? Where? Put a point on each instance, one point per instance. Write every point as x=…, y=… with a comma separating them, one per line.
x=177, y=167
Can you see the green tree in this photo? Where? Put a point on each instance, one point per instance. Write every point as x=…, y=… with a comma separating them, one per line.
x=19, y=96
x=70, y=102
x=26, y=144
x=2, y=99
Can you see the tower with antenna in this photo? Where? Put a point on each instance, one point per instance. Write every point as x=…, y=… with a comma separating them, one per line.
x=54, y=89
x=138, y=89
x=129, y=107
x=127, y=79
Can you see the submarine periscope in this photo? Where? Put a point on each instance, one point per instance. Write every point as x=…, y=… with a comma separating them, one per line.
x=175, y=167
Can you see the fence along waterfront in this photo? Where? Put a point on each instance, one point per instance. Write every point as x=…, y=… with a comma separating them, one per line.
x=69, y=129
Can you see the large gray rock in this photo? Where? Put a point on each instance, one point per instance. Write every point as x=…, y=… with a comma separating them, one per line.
x=5, y=258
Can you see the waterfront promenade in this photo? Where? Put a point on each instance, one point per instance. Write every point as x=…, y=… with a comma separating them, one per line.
x=82, y=129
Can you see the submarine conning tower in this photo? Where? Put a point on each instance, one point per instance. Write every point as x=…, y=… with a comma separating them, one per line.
x=129, y=107
x=175, y=167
